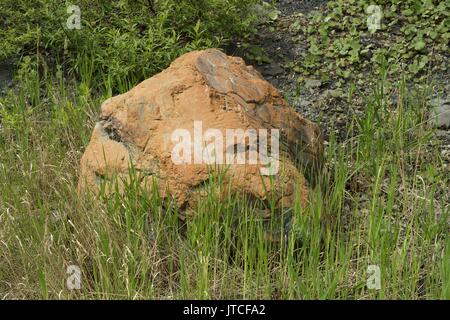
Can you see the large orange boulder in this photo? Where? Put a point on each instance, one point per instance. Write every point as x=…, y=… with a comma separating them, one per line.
x=208, y=113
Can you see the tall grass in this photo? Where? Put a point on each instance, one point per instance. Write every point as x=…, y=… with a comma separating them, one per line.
x=382, y=199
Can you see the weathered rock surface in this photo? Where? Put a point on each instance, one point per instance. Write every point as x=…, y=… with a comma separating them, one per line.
x=222, y=93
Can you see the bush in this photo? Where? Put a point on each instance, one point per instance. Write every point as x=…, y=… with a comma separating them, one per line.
x=120, y=42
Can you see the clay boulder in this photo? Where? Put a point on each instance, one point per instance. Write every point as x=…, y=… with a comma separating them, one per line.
x=165, y=126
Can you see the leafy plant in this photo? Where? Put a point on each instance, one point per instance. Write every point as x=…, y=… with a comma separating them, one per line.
x=123, y=41
x=411, y=32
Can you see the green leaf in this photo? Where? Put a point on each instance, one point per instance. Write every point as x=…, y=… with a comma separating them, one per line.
x=273, y=15
x=407, y=12
x=314, y=49
x=419, y=45
x=433, y=34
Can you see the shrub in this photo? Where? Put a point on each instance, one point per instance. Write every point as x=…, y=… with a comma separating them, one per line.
x=120, y=42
